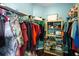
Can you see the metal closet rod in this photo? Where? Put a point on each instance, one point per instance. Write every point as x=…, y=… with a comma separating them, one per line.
x=12, y=10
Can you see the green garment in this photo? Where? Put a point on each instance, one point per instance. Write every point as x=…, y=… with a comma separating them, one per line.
x=40, y=23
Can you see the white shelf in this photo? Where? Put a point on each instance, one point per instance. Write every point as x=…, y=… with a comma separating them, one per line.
x=56, y=21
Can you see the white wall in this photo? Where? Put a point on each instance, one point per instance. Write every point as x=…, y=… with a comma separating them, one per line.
x=37, y=11
x=62, y=10
x=27, y=8
x=23, y=7
x=42, y=11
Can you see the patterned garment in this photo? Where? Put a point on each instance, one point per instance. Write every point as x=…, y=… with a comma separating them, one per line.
x=10, y=42
x=17, y=32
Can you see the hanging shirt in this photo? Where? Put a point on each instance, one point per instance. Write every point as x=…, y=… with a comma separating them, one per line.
x=35, y=35
x=74, y=32
x=10, y=42
x=25, y=38
x=17, y=31
x=2, y=29
x=29, y=33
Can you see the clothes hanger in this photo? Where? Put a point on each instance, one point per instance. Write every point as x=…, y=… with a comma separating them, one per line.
x=2, y=17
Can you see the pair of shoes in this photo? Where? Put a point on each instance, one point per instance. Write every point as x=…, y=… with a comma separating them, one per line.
x=29, y=54
x=34, y=54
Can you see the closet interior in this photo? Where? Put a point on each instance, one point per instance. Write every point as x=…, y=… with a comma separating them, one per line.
x=23, y=34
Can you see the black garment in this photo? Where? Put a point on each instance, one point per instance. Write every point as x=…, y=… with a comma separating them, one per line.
x=42, y=34
x=29, y=32
x=68, y=41
x=2, y=31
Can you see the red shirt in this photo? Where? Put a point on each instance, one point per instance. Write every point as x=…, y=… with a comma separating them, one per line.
x=25, y=38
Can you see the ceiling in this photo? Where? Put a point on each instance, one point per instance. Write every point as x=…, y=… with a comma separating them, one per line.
x=42, y=4
x=50, y=4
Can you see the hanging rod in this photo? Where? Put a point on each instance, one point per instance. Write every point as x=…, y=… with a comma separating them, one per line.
x=12, y=10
